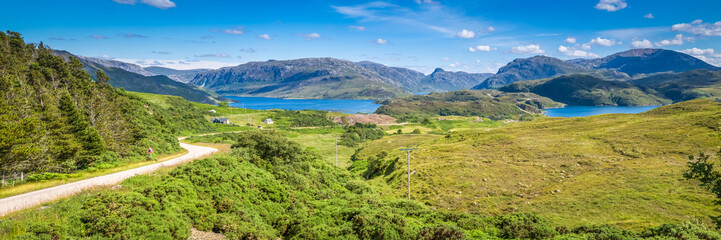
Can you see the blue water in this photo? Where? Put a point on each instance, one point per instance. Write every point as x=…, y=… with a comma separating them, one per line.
x=333, y=105
x=582, y=111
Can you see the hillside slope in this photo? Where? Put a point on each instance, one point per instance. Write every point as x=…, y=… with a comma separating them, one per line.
x=685, y=86
x=183, y=76
x=55, y=119
x=619, y=169
x=584, y=90
x=132, y=77
x=522, y=69
x=648, y=60
x=486, y=103
x=401, y=77
x=300, y=78
x=622, y=66
x=444, y=81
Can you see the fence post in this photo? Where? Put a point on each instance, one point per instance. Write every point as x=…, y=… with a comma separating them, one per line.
x=22, y=176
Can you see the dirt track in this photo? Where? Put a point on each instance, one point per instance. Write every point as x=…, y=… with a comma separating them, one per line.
x=36, y=198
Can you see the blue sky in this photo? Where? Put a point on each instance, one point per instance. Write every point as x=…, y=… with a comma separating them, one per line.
x=472, y=36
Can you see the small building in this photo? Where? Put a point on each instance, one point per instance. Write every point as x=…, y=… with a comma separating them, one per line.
x=268, y=121
x=220, y=120
x=212, y=111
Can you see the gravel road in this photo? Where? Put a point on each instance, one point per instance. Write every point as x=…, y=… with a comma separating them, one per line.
x=36, y=198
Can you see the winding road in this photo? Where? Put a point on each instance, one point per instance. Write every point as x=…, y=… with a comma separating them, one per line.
x=32, y=199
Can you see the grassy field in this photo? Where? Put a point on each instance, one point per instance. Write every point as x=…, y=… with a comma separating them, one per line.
x=619, y=169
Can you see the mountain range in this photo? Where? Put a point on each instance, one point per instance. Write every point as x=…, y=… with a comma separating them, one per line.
x=623, y=66
x=626, y=73
x=659, y=89
x=132, y=77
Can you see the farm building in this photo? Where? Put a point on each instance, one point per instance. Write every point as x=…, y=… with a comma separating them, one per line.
x=220, y=120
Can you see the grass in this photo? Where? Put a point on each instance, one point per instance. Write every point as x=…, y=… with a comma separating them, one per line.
x=324, y=145
x=34, y=186
x=620, y=169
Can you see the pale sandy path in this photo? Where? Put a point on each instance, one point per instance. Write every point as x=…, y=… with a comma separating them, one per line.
x=36, y=198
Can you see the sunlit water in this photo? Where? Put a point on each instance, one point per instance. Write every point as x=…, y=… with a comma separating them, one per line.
x=582, y=111
x=333, y=105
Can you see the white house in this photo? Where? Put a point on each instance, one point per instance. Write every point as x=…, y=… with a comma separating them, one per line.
x=268, y=121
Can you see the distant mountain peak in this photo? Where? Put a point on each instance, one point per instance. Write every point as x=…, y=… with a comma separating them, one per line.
x=438, y=70
x=639, y=52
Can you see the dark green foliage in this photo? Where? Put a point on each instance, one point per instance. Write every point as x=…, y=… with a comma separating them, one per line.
x=524, y=226
x=703, y=169
x=223, y=104
x=586, y=90
x=687, y=230
x=271, y=146
x=307, y=118
x=360, y=132
x=485, y=103
x=302, y=197
x=54, y=118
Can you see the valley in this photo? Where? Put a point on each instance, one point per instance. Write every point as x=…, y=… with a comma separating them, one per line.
x=339, y=146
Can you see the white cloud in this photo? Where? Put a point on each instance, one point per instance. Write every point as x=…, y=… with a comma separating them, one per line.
x=481, y=48
x=603, y=42
x=491, y=29
x=528, y=49
x=454, y=65
x=426, y=18
x=645, y=43
x=425, y=1
x=707, y=55
x=678, y=40
x=213, y=55
x=628, y=33
x=239, y=30
x=611, y=5
x=162, y=4
x=465, y=34
x=130, y=2
x=698, y=27
x=572, y=52
x=180, y=64
x=446, y=59
x=570, y=40
x=105, y=56
x=381, y=41
x=698, y=51
x=649, y=16
x=264, y=36
x=311, y=36
x=359, y=28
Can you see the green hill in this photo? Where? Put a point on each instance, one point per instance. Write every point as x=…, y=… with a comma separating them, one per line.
x=270, y=188
x=55, y=119
x=685, y=86
x=484, y=103
x=585, y=90
x=132, y=77
x=619, y=169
